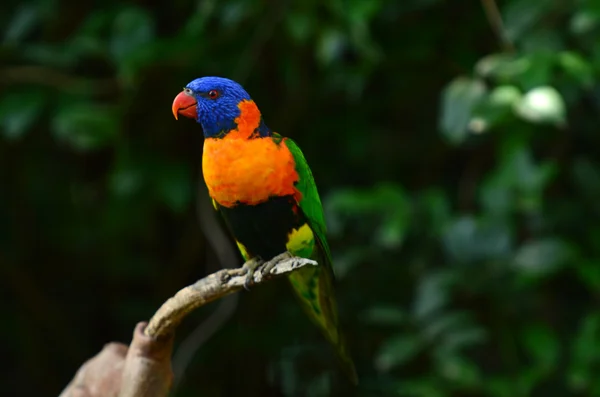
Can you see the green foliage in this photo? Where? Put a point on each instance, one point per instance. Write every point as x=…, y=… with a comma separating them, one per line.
x=461, y=186
x=19, y=111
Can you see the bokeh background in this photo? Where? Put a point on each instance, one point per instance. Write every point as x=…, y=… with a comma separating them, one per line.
x=456, y=149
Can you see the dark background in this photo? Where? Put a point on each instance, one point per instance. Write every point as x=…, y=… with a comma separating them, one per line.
x=458, y=162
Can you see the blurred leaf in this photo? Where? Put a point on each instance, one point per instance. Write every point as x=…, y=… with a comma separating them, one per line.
x=436, y=205
x=543, y=346
x=462, y=338
x=391, y=232
x=132, y=28
x=420, y=387
x=540, y=70
x=384, y=315
x=586, y=347
x=459, y=99
x=468, y=240
x=497, y=197
x=504, y=67
x=19, y=111
x=53, y=55
x=90, y=39
x=234, y=13
x=349, y=259
x=432, y=295
x=584, y=20
x=22, y=23
x=397, y=350
x=301, y=26
x=96, y=24
x=526, y=174
x=459, y=371
x=196, y=23
x=520, y=16
x=585, y=353
x=387, y=202
x=500, y=387
x=331, y=45
x=542, y=44
x=437, y=326
x=519, y=182
x=495, y=108
x=519, y=171
x=504, y=96
x=459, y=238
x=541, y=257
x=361, y=11
x=320, y=386
x=542, y=105
x=586, y=175
x=589, y=274
x=577, y=67
x=126, y=181
x=85, y=126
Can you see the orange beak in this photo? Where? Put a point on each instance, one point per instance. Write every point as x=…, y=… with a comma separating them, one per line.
x=184, y=105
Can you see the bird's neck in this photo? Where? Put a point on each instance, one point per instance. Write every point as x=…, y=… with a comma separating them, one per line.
x=249, y=124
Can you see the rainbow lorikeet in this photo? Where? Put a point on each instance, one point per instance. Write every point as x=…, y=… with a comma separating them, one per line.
x=263, y=187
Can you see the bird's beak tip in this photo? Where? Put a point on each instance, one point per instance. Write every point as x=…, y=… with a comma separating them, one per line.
x=184, y=105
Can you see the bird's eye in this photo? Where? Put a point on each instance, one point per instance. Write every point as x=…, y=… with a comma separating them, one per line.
x=188, y=91
x=213, y=94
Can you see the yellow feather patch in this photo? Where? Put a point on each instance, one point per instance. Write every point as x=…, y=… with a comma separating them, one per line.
x=301, y=241
x=243, y=250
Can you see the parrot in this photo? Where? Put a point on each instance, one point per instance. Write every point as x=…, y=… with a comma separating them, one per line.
x=261, y=184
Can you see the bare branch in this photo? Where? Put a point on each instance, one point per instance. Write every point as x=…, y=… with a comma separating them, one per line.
x=144, y=368
x=495, y=20
x=147, y=370
x=213, y=287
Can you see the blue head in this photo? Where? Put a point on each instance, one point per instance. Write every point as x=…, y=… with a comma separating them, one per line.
x=216, y=103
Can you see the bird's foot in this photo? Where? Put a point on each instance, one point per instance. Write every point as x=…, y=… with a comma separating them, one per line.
x=266, y=267
x=258, y=264
x=250, y=268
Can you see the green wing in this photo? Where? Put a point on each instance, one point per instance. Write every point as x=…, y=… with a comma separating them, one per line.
x=314, y=285
x=310, y=204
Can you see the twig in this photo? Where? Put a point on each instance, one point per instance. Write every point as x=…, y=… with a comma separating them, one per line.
x=210, y=288
x=495, y=20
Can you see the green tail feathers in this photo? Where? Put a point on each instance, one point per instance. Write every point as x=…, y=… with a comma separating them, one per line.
x=314, y=287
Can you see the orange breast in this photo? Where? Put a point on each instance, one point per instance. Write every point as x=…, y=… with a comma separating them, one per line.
x=247, y=170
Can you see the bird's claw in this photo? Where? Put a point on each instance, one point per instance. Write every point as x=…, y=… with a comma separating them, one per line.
x=268, y=266
x=265, y=268
x=251, y=267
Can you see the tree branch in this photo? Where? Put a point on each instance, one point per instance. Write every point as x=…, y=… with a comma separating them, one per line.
x=494, y=18
x=213, y=287
x=144, y=368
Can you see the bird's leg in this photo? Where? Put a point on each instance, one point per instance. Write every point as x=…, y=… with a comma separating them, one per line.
x=250, y=267
x=266, y=267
